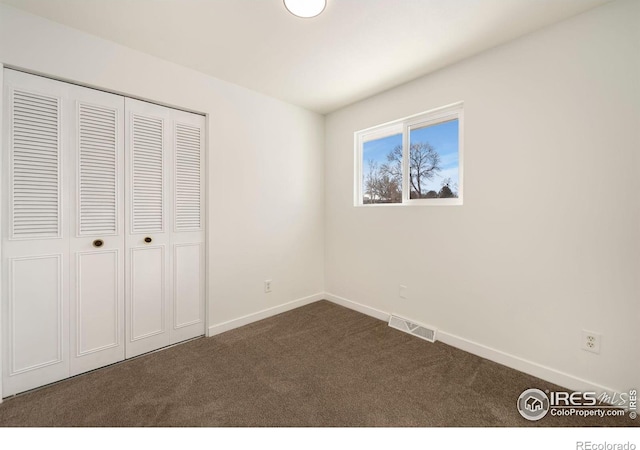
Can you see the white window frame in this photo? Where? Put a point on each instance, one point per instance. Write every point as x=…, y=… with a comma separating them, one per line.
x=403, y=126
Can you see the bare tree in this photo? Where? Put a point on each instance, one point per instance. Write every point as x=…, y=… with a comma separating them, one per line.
x=383, y=183
x=389, y=189
x=393, y=167
x=424, y=165
x=379, y=187
x=370, y=182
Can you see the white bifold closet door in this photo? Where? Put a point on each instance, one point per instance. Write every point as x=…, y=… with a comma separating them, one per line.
x=63, y=237
x=96, y=208
x=102, y=229
x=165, y=233
x=35, y=256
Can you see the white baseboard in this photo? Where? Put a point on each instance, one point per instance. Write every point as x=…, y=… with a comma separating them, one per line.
x=515, y=362
x=369, y=311
x=250, y=318
x=523, y=365
x=529, y=367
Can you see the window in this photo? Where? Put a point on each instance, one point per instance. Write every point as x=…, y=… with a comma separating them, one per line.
x=411, y=161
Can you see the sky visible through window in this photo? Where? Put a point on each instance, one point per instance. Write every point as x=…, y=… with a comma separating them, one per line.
x=443, y=137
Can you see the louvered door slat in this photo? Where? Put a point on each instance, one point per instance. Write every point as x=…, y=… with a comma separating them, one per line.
x=35, y=165
x=188, y=177
x=148, y=176
x=98, y=170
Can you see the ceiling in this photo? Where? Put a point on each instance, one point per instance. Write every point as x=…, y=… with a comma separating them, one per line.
x=354, y=49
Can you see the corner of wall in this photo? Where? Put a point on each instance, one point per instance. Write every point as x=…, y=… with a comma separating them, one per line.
x=1, y=230
x=263, y=314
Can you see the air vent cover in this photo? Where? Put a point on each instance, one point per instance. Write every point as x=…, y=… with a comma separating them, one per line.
x=408, y=326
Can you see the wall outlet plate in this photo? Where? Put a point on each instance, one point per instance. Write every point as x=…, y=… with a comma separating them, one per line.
x=591, y=341
x=267, y=286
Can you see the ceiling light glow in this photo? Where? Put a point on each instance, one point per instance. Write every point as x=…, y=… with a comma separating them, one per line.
x=305, y=8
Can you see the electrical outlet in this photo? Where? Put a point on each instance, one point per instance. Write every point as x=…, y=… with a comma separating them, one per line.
x=403, y=291
x=591, y=341
x=267, y=286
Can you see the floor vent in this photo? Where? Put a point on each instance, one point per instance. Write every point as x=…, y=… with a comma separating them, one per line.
x=421, y=331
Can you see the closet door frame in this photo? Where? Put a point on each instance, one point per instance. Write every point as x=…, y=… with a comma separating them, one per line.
x=205, y=210
x=2, y=148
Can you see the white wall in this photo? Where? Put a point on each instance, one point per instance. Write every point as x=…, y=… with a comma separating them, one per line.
x=265, y=160
x=548, y=240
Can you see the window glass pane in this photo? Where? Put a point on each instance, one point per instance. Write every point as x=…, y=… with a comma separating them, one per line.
x=434, y=160
x=382, y=170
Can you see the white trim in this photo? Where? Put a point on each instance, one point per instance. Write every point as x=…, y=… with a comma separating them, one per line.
x=380, y=132
x=523, y=365
x=369, y=311
x=1, y=219
x=514, y=362
x=265, y=313
x=406, y=165
x=99, y=88
x=208, y=232
x=436, y=112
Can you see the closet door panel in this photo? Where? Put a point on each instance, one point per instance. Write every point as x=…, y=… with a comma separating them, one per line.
x=36, y=305
x=34, y=240
x=98, y=161
x=35, y=166
x=188, y=226
x=148, y=306
x=188, y=289
x=98, y=308
x=188, y=172
x=148, y=177
x=96, y=124
x=148, y=296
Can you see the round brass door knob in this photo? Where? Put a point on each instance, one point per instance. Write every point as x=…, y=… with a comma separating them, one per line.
x=148, y=239
x=98, y=243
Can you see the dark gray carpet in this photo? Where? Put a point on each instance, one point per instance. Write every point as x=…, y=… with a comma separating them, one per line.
x=319, y=365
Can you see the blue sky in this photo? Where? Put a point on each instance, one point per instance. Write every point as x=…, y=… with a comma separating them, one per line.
x=444, y=139
x=377, y=150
